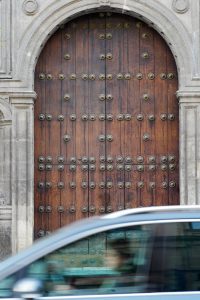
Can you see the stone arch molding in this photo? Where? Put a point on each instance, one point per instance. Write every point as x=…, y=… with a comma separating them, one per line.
x=156, y=14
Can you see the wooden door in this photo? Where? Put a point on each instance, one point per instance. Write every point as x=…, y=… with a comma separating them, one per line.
x=106, y=121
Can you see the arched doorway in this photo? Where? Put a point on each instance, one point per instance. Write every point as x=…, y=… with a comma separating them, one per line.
x=106, y=121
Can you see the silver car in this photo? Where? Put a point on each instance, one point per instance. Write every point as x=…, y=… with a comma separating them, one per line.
x=144, y=253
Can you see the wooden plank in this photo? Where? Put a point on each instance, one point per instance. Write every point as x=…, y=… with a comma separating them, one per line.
x=82, y=104
x=115, y=128
x=74, y=199
x=53, y=108
x=132, y=106
x=147, y=83
x=96, y=108
x=173, y=131
x=161, y=129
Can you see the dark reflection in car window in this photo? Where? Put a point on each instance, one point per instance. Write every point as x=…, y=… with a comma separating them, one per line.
x=147, y=258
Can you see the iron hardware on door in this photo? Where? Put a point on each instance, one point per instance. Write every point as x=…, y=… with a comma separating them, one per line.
x=72, y=209
x=84, y=76
x=84, y=159
x=72, y=168
x=67, y=97
x=146, y=97
x=67, y=56
x=48, y=185
x=60, y=185
x=49, y=159
x=61, y=159
x=119, y=159
x=127, y=117
x=61, y=76
x=102, y=167
x=102, y=97
x=109, y=97
x=92, y=209
x=41, y=167
x=49, y=117
x=92, y=159
x=73, y=160
x=152, y=159
x=171, y=158
x=92, y=167
x=109, y=159
x=120, y=167
x=84, y=209
x=73, y=117
x=60, y=209
x=102, y=185
x=102, y=158
x=41, y=117
x=41, y=209
x=140, y=159
x=66, y=138
x=152, y=167
x=84, y=168
x=102, y=117
x=42, y=76
x=127, y=185
x=120, y=117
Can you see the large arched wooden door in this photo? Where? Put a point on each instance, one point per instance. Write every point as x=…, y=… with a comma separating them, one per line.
x=106, y=121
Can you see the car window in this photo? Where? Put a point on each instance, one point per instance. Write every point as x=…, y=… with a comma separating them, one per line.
x=136, y=259
x=176, y=257
x=110, y=262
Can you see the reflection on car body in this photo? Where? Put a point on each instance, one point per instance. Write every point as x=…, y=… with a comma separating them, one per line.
x=152, y=252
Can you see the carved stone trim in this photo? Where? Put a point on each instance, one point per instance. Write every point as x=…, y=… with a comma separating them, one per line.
x=189, y=153
x=6, y=212
x=5, y=39
x=30, y=7
x=186, y=96
x=5, y=110
x=5, y=151
x=180, y=6
x=59, y=12
x=22, y=173
x=104, y=2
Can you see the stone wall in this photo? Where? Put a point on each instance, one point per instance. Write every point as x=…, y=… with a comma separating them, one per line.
x=25, y=26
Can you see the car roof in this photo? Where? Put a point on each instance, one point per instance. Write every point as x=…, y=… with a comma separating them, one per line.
x=154, y=209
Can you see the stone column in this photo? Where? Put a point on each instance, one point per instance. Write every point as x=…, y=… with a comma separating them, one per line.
x=22, y=170
x=5, y=177
x=189, y=147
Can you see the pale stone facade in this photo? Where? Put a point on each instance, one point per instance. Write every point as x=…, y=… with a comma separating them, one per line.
x=25, y=26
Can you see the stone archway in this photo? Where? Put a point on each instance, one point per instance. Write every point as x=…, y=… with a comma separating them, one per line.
x=35, y=36
x=153, y=13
